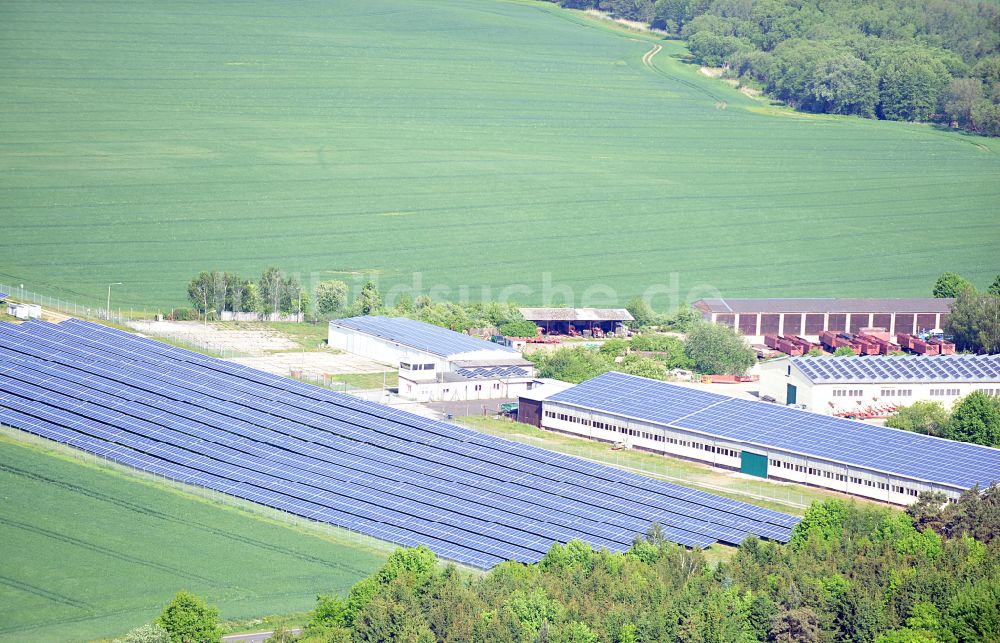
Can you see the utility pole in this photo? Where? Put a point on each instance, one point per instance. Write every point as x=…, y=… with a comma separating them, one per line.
x=108, y=310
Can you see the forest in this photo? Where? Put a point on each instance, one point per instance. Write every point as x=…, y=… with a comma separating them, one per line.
x=852, y=572
x=903, y=60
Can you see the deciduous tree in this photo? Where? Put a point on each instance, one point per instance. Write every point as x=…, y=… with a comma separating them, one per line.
x=974, y=322
x=331, y=297
x=950, y=284
x=188, y=619
x=369, y=301
x=976, y=419
x=928, y=418
x=718, y=349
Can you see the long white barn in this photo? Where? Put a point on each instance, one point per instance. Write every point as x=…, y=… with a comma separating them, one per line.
x=769, y=441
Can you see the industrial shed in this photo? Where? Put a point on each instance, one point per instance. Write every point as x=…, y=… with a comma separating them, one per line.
x=754, y=318
x=435, y=363
x=864, y=385
x=769, y=441
x=583, y=321
x=529, y=403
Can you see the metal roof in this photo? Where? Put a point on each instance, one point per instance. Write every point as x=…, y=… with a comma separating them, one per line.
x=763, y=425
x=903, y=369
x=576, y=314
x=419, y=335
x=818, y=305
x=547, y=389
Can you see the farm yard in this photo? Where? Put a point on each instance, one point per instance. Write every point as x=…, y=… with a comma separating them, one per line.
x=100, y=552
x=145, y=142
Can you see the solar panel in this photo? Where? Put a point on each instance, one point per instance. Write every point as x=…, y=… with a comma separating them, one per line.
x=769, y=426
x=426, y=337
x=473, y=498
x=895, y=369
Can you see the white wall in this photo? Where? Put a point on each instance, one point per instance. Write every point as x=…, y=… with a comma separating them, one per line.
x=824, y=397
x=782, y=465
x=431, y=391
x=381, y=350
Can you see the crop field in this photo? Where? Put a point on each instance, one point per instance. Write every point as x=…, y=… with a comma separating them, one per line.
x=472, y=148
x=91, y=553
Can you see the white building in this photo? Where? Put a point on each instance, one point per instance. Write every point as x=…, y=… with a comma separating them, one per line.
x=767, y=440
x=24, y=311
x=435, y=363
x=875, y=384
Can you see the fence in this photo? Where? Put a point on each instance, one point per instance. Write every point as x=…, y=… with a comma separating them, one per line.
x=121, y=315
x=84, y=311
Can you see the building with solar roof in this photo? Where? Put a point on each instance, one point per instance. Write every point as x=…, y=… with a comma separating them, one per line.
x=435, y=363
x=754, y=318
x=853, y=385
x=768, y=440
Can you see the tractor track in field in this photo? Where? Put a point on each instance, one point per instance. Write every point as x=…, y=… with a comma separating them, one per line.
x=168, y=518
x=106, y=551
x=43, y=593
x=647, y=58
x=647, y=61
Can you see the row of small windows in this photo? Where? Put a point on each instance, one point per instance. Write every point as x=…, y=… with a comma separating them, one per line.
x=496, y=386
x=840, y=477
x=995, y=392
x=847, y=392
x=406, y=366
x=897, y=392
x=777, y=464
x=939, y=392
x=652, y=437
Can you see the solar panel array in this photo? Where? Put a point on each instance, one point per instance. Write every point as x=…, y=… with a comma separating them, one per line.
x=416, y=334
x=888, y=369
x=472, y=498
x=770, y=426
x=492, y=372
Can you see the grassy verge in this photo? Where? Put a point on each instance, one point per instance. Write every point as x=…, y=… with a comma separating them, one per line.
x=308, y=336
x=265, y=623
x=93, y=551
x=789, y=498
x=363, y=380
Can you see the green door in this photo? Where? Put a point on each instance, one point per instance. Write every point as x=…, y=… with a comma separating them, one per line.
x=753, y=464
x=790, y=394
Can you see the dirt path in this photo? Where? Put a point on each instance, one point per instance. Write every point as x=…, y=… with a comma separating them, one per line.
x=647, y=59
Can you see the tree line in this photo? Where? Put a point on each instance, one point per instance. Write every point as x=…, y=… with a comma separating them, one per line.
x=974, y=320
x=975, y=419
x=851, y=572
x=908, y=60
x=706, y=348
x=213, y=293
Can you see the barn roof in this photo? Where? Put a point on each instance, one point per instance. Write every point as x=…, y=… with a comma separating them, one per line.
x=822, y=305
x=576, y=314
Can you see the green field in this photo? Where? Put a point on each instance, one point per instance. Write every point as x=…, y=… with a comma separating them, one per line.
x=90, y=553
x=475, y=142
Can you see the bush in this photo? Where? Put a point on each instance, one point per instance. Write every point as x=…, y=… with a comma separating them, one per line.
x=184, y=314
x=149, y=633
x=718, y=350
x=519, y=328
